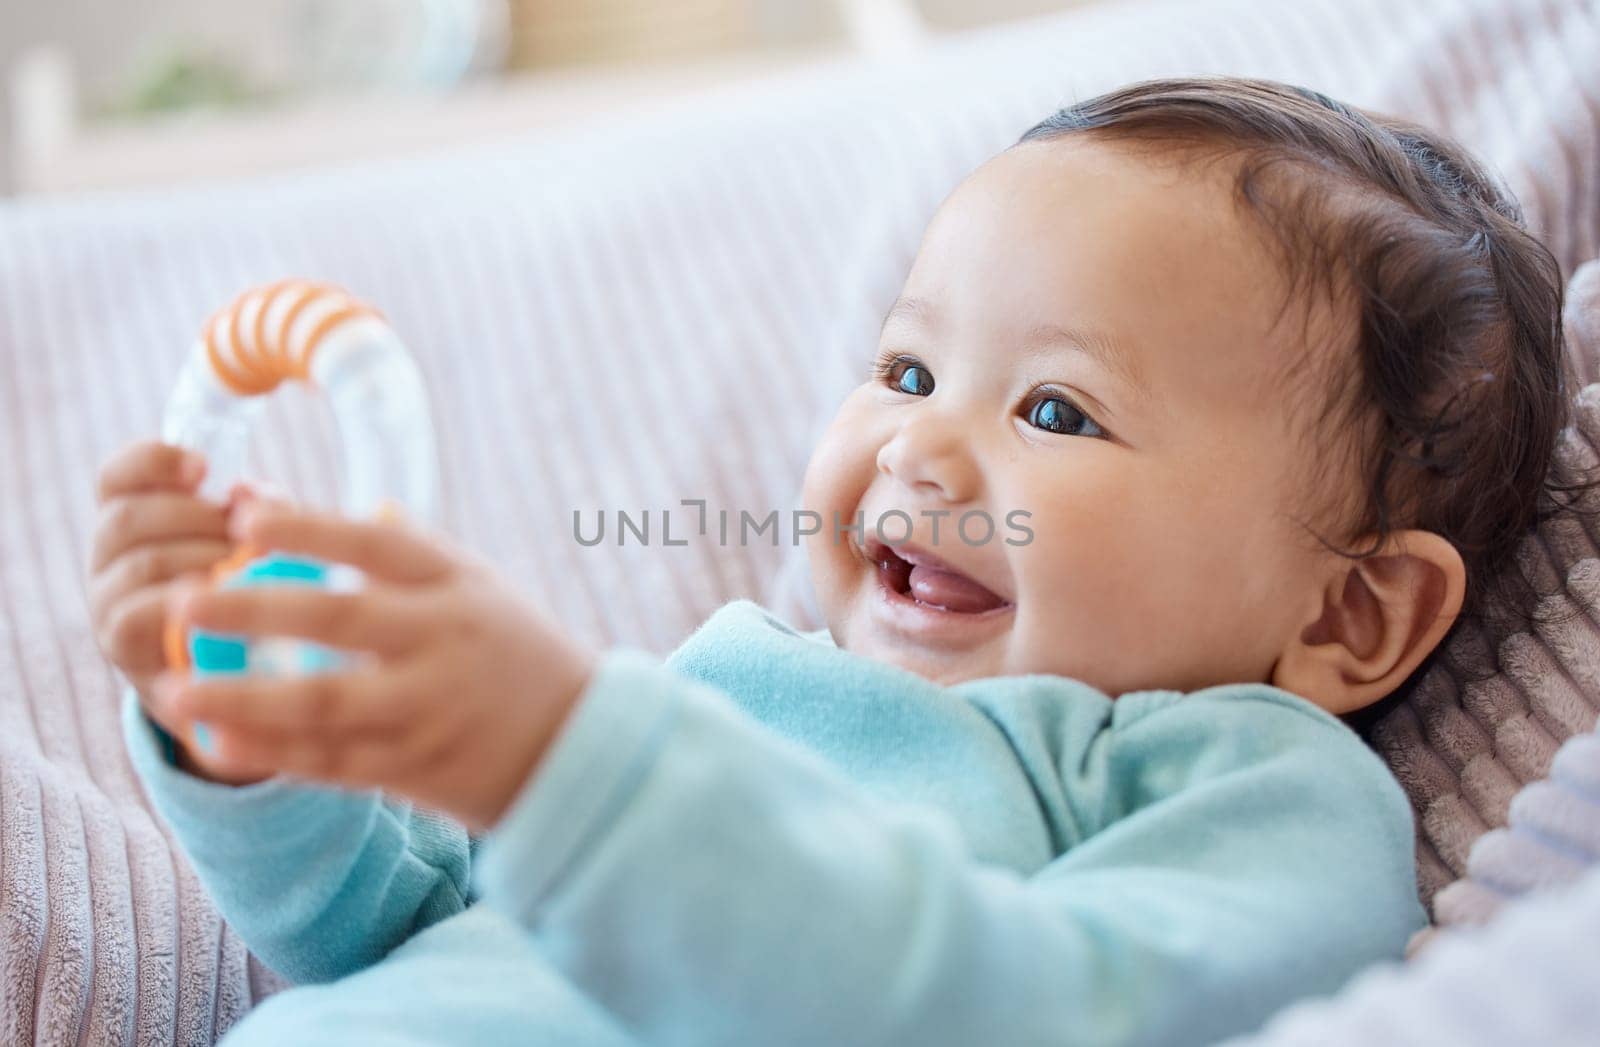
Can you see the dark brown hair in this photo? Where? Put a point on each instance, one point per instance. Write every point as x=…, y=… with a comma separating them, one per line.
x=1458, y=386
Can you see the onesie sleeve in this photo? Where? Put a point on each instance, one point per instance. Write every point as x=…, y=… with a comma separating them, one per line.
x=318, y=881
x=709, y=881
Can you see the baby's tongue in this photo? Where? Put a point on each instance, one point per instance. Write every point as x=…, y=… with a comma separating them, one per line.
x=953, y=592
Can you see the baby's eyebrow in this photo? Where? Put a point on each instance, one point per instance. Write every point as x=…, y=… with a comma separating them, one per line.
x=1109, y=352
x=918, y=311
x=1103, y=348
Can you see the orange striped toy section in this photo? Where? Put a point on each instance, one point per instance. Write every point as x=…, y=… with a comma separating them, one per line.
x=269, y=333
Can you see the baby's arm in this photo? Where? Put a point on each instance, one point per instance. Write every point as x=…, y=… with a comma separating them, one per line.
x=318, y=882
x=708, y=881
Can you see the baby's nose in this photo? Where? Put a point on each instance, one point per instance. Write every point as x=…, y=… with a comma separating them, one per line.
x=932, y=458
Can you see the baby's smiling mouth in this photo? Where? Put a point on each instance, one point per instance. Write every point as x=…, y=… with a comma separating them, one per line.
x=921, y=578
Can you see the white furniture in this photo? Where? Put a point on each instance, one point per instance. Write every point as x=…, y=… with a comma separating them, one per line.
x=53, y=149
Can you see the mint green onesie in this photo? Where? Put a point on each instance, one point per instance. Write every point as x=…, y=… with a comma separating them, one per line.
x=768, y=840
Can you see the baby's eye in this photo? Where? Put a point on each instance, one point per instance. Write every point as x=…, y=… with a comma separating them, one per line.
x=906, y=375
x=1055, y=415
x=915, y=380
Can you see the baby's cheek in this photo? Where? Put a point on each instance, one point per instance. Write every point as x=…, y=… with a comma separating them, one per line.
x=1103, y=592
x=827, y=561
x=831, y=459
x=842, y=466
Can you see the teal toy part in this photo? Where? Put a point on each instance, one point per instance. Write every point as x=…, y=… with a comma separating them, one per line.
x=226, y=654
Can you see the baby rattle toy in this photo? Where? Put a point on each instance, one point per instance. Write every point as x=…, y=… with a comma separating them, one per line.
x=298, y=330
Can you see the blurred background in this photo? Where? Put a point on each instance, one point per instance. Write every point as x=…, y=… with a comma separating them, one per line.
x=105, y=95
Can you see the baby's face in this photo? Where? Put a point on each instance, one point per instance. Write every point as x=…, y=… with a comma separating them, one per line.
x=1090, y=338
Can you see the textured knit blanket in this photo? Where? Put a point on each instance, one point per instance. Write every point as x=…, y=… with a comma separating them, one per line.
x=1498, y=703
x=1552, y=838
x=1547, y=834
x=664, y=306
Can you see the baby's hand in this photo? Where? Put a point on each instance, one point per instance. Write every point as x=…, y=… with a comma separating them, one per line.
x=152, y=530
x=457, y=691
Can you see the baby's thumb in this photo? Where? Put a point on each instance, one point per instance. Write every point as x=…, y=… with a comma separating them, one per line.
x=248, y=492
x=263, y=491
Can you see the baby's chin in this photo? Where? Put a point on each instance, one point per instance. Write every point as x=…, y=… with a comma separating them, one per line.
x=941, y=666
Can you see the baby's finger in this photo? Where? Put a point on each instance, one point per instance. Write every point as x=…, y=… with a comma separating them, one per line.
x=215, y=751
x=355, y=760
x=353, y=701
x=384, y=549
x=370, y=619
x=244, y=491
x=161, y=711
x=152, y=564
x=130, y=520
x=149, y=465
x=130, y=634
x=195, y=746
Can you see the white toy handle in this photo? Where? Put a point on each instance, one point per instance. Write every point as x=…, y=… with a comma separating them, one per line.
x=300, y=330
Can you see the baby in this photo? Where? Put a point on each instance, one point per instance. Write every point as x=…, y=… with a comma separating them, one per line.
x=1274, y=385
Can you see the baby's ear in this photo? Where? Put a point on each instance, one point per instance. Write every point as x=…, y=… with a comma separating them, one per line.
x=1376, y=619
